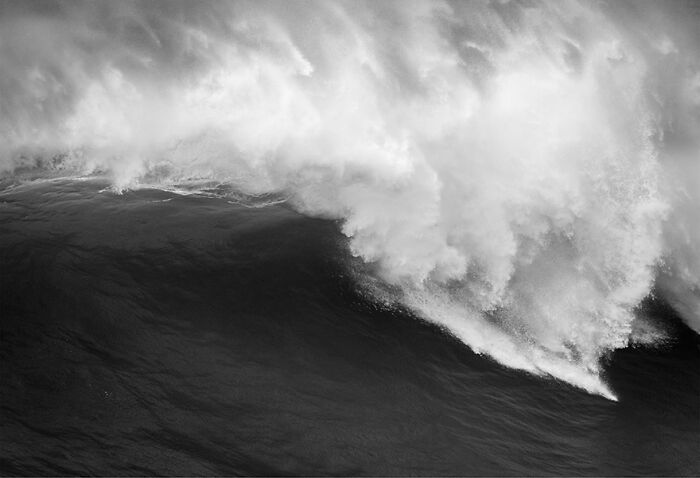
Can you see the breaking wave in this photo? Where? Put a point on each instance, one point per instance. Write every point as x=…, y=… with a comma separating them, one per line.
x=524, y=174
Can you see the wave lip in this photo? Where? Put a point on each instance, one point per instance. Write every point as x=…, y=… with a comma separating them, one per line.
x=484, y=335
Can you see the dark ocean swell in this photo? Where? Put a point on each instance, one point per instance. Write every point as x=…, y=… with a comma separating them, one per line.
x=156, y=332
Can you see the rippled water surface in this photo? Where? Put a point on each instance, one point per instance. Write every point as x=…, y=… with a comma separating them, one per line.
x=161, y=333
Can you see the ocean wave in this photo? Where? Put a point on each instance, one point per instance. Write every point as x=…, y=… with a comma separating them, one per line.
x=522, y=175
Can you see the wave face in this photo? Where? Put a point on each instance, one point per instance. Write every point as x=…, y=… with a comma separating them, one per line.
x=521, y=173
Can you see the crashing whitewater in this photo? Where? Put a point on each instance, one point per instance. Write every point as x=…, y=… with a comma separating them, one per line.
x=523, y=174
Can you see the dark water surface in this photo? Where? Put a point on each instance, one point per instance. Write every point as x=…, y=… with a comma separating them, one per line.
x=156, y=333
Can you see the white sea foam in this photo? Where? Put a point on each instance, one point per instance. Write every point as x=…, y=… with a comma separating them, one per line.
x=523, y=174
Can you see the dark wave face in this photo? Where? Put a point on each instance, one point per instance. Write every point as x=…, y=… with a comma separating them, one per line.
x=156, y=332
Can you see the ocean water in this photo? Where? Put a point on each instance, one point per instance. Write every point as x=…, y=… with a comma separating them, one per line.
x=160, y=333
x=350, y=238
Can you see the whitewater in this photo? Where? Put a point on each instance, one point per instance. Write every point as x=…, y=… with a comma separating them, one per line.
x=523, y=174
